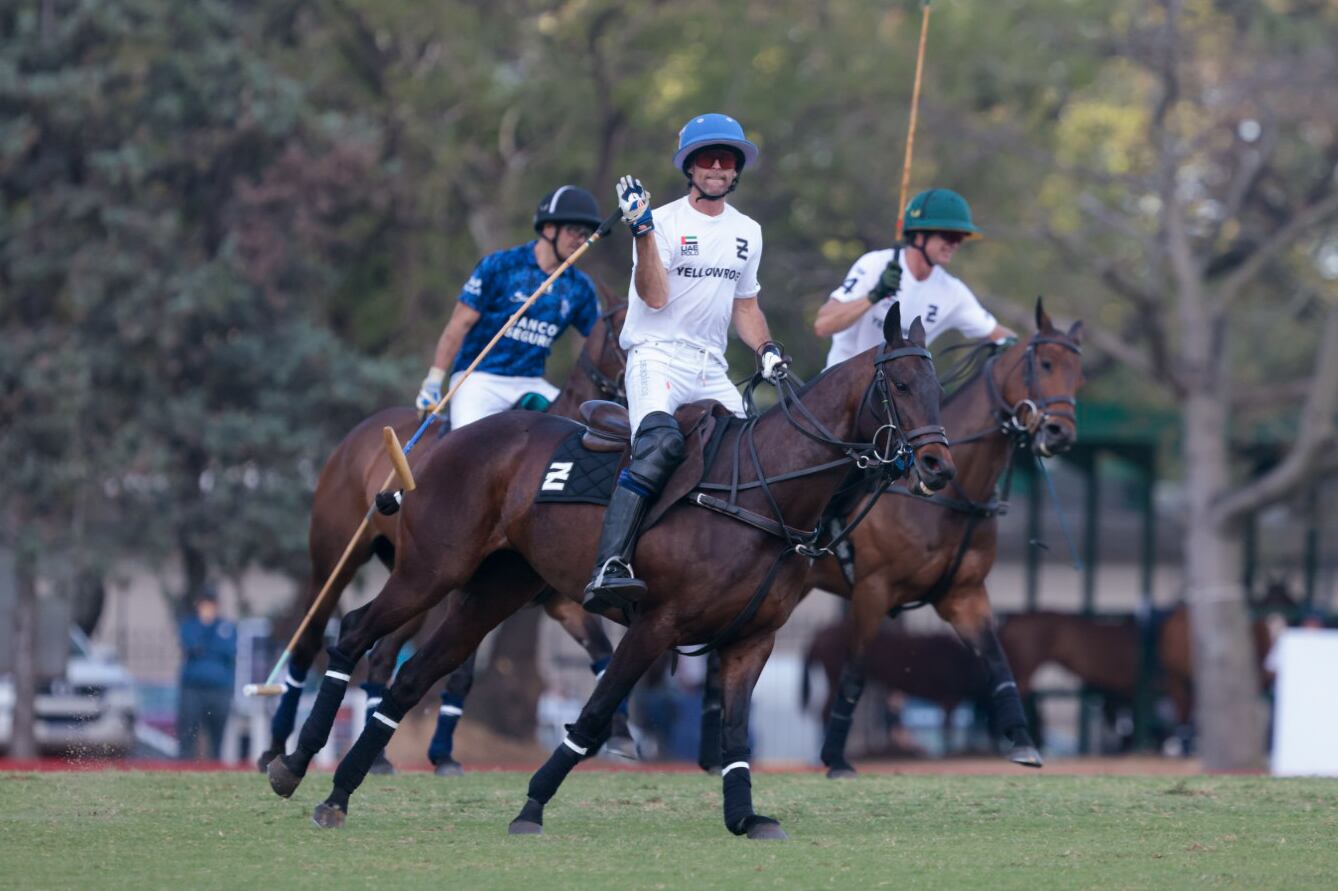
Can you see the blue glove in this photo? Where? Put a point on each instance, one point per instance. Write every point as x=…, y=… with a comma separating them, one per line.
x=634, y=201
x=430, y=393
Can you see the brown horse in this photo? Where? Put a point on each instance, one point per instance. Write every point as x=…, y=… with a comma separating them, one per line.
x=1107, y=654
x=1025, y=397
x=719, y=574
x=935, y=667
x=344, y=493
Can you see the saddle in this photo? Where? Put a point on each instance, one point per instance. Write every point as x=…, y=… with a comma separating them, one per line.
x=702, y=423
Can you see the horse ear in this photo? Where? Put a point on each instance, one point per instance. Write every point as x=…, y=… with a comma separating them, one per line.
x=917, y=332
x=1043, y=322
x=1075, y=332
x=892, y=323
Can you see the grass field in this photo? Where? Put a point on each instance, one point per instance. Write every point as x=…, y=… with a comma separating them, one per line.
x=647, y=830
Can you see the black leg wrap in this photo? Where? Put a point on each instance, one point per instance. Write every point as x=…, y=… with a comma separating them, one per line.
x=738, y=786
x=843, y=711
x=375, y=734
x=1008, y=714
x=285, y=714
x=544, y=784
x=316, y=730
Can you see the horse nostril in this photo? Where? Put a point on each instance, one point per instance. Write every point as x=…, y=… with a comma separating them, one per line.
x=931, y=463
x=1054, y=431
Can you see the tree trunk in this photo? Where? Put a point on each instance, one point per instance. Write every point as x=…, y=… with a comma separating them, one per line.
x=1226, y=683
x=506, y=696
x=24, y=738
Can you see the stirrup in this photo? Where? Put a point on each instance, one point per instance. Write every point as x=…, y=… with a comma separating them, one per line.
x=606, y=592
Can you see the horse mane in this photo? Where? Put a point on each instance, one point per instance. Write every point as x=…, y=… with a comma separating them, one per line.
x=968, y=367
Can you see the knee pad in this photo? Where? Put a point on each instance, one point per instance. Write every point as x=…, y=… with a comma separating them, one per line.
x=657, y=449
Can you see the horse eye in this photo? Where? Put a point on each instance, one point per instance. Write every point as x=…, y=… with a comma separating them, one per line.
x=902, y=388
x=1047, y=365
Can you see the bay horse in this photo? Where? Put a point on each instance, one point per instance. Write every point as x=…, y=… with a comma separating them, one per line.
x=344, y=493
x=719, y=574
x=1107, y=654
x=1022, y=397
x=935, y=667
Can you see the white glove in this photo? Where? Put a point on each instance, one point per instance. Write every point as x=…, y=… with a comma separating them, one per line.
x=773, y=364
x=430, y=393
x=634, y=201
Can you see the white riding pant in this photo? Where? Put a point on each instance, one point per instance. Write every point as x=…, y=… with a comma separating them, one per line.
x=662, y=376
x=484, y=394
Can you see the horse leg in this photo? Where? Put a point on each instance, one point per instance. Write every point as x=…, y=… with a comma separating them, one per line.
x=380, y=668
x=869, y=609
x=588, y=630
x=740, y=665
x=967, y=609
x=469, y=616
x=645, y=641
x=398, y=602
x=323, y=562
x=710, y=749
x=441, y=750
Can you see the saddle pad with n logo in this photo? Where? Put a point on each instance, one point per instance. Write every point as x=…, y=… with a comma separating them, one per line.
x=576, y=475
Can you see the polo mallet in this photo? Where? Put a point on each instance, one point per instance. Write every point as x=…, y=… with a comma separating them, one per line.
x=400, y=464
x=915, y=108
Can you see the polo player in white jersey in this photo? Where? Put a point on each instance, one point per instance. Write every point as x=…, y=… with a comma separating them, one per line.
x=694, y=272
x=935, y=223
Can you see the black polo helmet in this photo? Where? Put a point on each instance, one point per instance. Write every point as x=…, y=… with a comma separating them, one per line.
x=568, y=204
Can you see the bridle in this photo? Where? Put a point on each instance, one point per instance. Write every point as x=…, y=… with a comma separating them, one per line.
x=889, y=453
x=613, y=388
x=1020, y=421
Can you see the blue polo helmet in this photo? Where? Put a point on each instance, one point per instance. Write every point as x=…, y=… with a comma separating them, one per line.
x=713, y=129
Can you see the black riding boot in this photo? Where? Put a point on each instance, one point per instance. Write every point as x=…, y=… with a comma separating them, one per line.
x=612, y=585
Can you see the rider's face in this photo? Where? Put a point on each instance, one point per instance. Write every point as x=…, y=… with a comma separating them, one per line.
x=942, y=246
x=709, y=174
x=570, y=236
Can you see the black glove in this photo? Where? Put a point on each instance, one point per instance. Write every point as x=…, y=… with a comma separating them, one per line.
x=888, y=283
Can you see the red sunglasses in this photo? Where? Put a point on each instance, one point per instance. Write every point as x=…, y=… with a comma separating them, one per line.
x=707, y=158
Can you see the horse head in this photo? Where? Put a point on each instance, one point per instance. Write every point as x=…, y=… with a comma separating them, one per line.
x=1040, y=385
x=908, y=388
x=603, y=359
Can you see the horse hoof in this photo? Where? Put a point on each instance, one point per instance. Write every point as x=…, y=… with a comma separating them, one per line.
x=1027, y=756
x=767, y=831
x=449, y=768
x=328, y=816
x=841, y=773
x=382, y=766
x=282, y=780
x=524, y=827
x=266, y=757
x=622, y=747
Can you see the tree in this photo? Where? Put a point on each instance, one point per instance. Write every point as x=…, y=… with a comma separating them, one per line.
x=1196, y=180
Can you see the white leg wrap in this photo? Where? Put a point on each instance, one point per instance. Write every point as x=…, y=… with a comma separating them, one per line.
x=453, y=710
x=729, y=767
x=384, y=720
x=338, y=676
x=579, y=750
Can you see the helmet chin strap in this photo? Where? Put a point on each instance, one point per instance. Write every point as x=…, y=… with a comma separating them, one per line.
x=706, y=196
x=913, y=245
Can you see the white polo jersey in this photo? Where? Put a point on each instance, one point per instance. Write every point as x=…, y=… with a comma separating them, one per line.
x=941, y=301
x=711, y=261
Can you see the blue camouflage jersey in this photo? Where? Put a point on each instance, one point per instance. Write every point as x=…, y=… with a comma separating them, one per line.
x=500, y=283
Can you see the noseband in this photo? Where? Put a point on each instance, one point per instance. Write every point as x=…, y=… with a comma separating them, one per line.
x=1020, y=422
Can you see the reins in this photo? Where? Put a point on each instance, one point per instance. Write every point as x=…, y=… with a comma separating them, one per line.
x=613, y=388
x=890, y=453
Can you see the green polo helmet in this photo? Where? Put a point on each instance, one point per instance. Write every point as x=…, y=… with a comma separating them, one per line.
x=939, y=210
